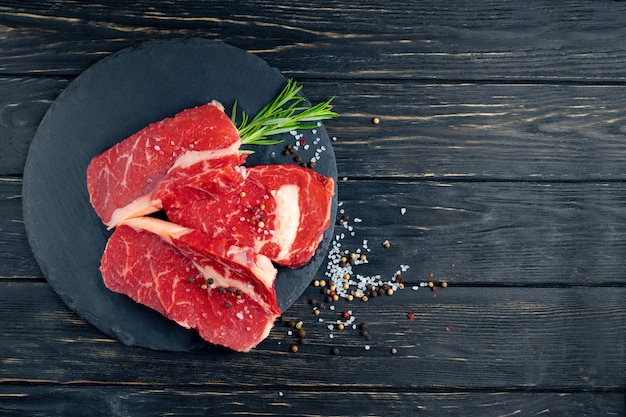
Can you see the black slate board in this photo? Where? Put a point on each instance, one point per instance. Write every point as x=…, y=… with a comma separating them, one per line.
x=111, y=100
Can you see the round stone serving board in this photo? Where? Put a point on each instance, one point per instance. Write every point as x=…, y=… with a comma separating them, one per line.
x=111, y=100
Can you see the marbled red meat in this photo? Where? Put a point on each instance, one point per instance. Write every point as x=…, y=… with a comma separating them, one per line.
x=210, y=266
x=120, y=180
x=301, y=213
x=228, y=265
x=211, y=298
x=281, y=211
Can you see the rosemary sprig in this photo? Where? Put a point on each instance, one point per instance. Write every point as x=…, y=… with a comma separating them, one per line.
x=283, y=114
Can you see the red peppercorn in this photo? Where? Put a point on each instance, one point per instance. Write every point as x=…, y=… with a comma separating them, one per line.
x=410, y=315
x=346, y=315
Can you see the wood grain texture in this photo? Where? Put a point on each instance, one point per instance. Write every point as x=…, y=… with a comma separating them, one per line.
x=510, y=41
x=533, y=339
x=23, y=103
x=16, y=257
x=495, y=233
x=497, y=166
x=441, y=131
x=70, y=401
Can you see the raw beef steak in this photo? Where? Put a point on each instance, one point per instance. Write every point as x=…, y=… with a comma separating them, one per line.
x=210, y=265
x=152, y=271
x=227, y=265
x=120, y=181
x=302, y=214
x=281, y=211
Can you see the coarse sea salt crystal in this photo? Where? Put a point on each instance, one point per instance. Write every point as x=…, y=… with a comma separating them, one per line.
x=403, y=211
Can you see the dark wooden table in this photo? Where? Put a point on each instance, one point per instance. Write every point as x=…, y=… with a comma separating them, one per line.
x=498, y=165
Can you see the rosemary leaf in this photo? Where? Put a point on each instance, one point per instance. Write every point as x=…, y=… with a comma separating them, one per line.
x=283, y=114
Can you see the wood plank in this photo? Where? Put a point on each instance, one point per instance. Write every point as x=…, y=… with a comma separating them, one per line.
x=573, y=40
x=137, y=402
x=16, y=257
x=495, y=233
x=479, y=131
x=444, y=131
x=557, y=339
x=23, y=103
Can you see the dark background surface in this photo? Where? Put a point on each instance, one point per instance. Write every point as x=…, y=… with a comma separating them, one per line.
x=502, y=133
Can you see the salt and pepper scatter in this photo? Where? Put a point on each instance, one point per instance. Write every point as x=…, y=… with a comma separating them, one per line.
x=342, y=278
x=300, y=143
x=343, y=281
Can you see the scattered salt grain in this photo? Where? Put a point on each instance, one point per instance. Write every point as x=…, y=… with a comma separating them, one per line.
x=403, y=211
